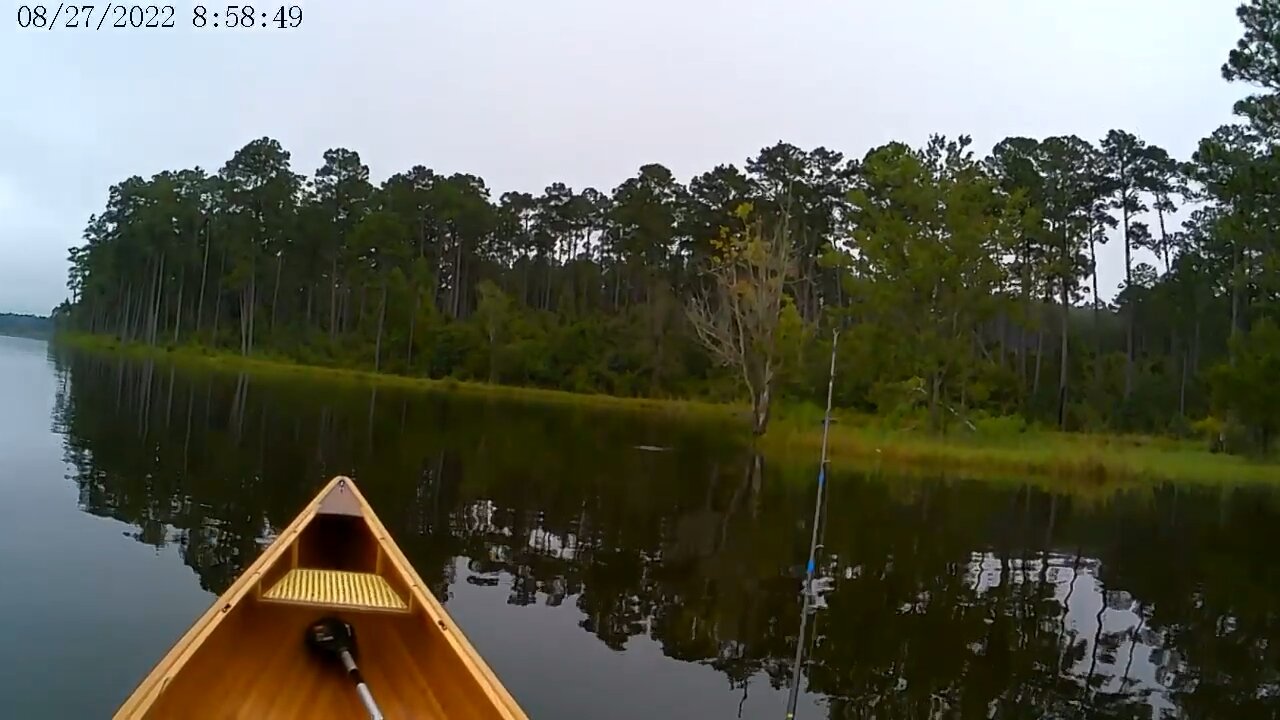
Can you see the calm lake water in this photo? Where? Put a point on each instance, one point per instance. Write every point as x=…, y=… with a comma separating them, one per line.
x=606, y=581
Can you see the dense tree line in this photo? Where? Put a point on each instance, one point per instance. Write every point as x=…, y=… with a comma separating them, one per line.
x=965, y=284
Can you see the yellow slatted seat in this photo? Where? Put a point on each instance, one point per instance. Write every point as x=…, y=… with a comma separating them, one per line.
x=336, y=588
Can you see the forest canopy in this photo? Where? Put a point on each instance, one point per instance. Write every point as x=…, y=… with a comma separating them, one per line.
x=966, y=283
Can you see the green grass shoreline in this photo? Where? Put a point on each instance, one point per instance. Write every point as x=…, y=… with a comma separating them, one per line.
x=1075, y=460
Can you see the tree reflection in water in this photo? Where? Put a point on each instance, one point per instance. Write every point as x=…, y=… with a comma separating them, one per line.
x=950, y=599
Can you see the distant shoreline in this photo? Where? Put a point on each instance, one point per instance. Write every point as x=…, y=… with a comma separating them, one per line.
x=33, y=327
x=1070, y=461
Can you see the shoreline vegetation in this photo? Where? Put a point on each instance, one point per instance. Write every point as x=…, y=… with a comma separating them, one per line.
x=964, y=282
x=857, y=441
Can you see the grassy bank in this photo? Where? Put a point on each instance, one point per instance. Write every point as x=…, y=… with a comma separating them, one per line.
x=1073, y=459
x=1057, y=457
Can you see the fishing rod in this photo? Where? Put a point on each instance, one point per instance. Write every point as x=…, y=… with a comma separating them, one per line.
x=805, y=607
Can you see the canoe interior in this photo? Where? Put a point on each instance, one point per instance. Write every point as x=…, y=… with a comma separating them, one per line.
x=254, y=663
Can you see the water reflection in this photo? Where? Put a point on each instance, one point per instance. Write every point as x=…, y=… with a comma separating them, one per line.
x=949, y=599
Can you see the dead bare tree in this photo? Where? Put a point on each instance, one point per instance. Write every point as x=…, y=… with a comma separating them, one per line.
x=738, y=313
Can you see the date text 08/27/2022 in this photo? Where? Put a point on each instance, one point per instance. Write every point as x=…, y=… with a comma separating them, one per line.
x=113, y=15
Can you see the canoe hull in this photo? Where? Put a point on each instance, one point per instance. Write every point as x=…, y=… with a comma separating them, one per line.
x=245, y=657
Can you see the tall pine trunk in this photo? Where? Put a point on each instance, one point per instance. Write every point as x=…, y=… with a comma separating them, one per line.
x=275, y=294
x=248, y=301
x=204, y=276
x=1026, y=307
x=1022, y=355
x=413, y=321
x=456, y=300
x=244, y=320
x=547, y=296
x=157, y=292
x=253, y=308
x=1128, y=313
x=333, y=300
x=217, y=296
x=1182, y=385
x=1064, y=300
x=1164, y=238
x=1035, y=382
x=177, y=319
x=138, y=326
x=344, y=311
x=1235, y=296
x=122, y=325
x=143, y=311
x=1195, y=349
x=364, y=291
x=1097, y=311
x=382, y=316
x=546, y=302
x=1062, y=369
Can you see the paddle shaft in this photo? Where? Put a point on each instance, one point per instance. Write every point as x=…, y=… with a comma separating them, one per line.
x=366, y=697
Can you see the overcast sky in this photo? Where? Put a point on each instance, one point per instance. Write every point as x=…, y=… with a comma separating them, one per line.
x=582, y=91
